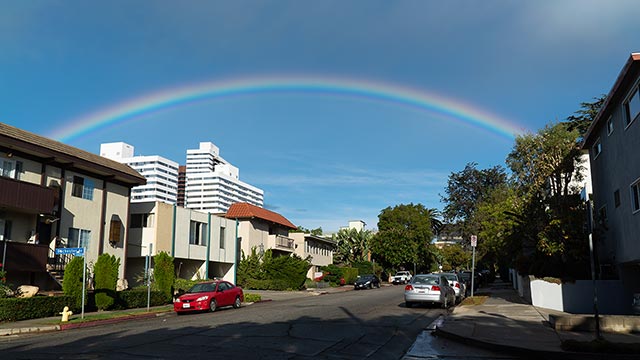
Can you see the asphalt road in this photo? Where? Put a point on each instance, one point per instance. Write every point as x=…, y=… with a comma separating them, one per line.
x=371, y=324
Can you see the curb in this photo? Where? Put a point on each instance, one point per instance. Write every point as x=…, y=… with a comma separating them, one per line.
x=16, y=331
x=108, y=321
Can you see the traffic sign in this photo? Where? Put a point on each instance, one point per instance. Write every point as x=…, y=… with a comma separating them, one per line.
x=70, y=251
x=474, y=240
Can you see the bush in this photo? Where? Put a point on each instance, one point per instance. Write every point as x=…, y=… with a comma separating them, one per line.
x=332, y=274
x=350, y=275
x=277, y=285
x=163, y=273
x=289, y=270
x=251, y=298
x=72, y=282
x=105, y=280
x=131, y=299
x=16, y=309
x=184, y=284
x=249, y=268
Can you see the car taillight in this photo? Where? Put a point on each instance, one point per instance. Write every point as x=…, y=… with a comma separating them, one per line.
x=458, y=285
x=408, y=288
x=435, y=288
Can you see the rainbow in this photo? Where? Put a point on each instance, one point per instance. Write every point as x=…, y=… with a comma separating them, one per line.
x=175, y=97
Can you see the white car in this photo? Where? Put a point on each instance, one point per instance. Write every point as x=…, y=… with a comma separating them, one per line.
x=457, y=284
x=401, y=277
x=429, y=289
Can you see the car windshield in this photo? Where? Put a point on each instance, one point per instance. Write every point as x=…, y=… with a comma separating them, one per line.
x=198, y=288
x=366, y=277
x=400, y=273
x=425, y=280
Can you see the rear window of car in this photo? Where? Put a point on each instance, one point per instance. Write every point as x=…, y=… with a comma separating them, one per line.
x=452, y=277
x=425, y=280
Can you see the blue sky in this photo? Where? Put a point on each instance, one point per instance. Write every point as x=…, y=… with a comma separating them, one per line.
x=322, y=158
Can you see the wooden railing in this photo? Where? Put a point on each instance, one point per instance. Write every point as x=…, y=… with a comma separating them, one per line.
x=20, y=256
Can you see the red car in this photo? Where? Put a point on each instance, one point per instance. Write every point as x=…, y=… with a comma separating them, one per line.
x=209, y=296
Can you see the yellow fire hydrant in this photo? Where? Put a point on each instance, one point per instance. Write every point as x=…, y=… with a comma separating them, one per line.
x=66, y=313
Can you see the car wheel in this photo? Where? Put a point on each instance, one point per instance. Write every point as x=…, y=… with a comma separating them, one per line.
x=378, y=285
x=237, y=303
x=408, y=304
x=213, y=305
x=370, y=286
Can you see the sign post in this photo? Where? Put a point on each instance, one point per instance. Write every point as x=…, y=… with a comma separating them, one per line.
x=474, y=243
x=149, y=277
x=77, y=252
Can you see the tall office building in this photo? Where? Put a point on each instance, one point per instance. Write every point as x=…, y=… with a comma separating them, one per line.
x=161, y=173
x=212, y=184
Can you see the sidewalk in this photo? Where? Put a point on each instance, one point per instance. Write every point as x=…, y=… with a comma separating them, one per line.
x=505, y=322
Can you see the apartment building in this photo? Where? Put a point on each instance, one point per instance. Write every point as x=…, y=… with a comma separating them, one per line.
x=52, y=196
x=613, y=142
x=213, y=185
x=319, y=249
x=202, y=244
x=261, y=229
x=161, y=173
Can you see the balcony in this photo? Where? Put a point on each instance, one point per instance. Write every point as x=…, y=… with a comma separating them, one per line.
x=24, y=257
x=283, y=243
x=28, y=197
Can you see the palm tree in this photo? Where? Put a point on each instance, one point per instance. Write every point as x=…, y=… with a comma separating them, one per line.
x=352, y=246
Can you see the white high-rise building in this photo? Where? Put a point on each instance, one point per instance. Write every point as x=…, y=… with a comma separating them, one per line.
x=212, y=184
x=161, y=173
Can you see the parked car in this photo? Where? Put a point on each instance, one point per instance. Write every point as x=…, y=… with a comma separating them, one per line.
x=208, y=296
x=466, y=277
x=429, y=289
x=368, y=281
x=457, y=284
x=401, y=277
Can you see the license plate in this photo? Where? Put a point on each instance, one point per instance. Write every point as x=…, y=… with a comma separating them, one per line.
x=421, y=291
x=186, y=305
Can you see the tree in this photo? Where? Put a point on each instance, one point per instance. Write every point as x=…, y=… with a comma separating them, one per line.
x=105, y=279
x=404, y=237
x=465, y=190
x=582, y=119
x=164, y=274
x=352, y=246
x=72, y=281
x=455, y=257
x=301, y=229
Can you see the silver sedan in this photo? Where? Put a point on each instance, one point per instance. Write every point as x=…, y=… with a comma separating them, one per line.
x=429, y=289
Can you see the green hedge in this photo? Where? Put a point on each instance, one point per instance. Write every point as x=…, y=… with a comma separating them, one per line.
x=15, y=309
x=138, y=299
x=251, y=298
x=278, y=285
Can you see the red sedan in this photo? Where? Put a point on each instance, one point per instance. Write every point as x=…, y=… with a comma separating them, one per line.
x=209, y=296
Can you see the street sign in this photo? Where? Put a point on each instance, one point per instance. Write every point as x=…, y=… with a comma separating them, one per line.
x=70, y=251
x=474, y=240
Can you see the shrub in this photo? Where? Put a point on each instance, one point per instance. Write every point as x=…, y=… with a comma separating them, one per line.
x=16, y=309
x=249, y=268
x=251, y=298
x=184, y=284
x=72, y=282
x=332, y=273
x=131, y=299
x=350, y=275
x=290, y=270
x=105, y=279
x=163, y=273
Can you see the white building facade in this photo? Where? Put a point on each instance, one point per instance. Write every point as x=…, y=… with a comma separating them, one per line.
x=161, y=173
x=212, y=184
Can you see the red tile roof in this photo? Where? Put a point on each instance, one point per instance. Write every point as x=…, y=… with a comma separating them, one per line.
x=248, y=211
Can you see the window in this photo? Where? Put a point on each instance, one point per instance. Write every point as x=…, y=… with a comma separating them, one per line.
x=616, y=198
x=197, y=233
x=10, y=168
x=5, y=229
x=115, y=229
x=222, y=229
x=82, y=188
x=632, y=107
x=635, y=196
x=602, y=217
x=609, y=126
x=596, y=149
x=78, y=238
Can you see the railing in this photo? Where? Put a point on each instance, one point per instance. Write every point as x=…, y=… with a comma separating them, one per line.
x=20, y=256
x=284, y=242
x=24, y=195
x=58, y=262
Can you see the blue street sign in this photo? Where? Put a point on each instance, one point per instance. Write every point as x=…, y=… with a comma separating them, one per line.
x=70, y=251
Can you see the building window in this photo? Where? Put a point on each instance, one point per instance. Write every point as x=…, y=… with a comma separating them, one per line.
x=616, y=198
x=10, y=168
x=632, y=107
x=596, y=149
x=5, y=229
x=82, y=188
x=609, y=125
x=115, y=230
x=197, y=233
x=635, y=196
x=222, y=230
x=78, y=238
x=139, y=221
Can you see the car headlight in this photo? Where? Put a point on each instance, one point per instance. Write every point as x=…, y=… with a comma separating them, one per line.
x=203, y=298
x=367, y=283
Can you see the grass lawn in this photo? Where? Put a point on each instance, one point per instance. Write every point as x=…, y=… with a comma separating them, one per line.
x=75, y=318
x=475, y=300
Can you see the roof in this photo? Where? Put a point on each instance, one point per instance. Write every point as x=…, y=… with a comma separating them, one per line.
x=615, y=96
x=248, y=211
x=320, y=238
x=58, y=154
